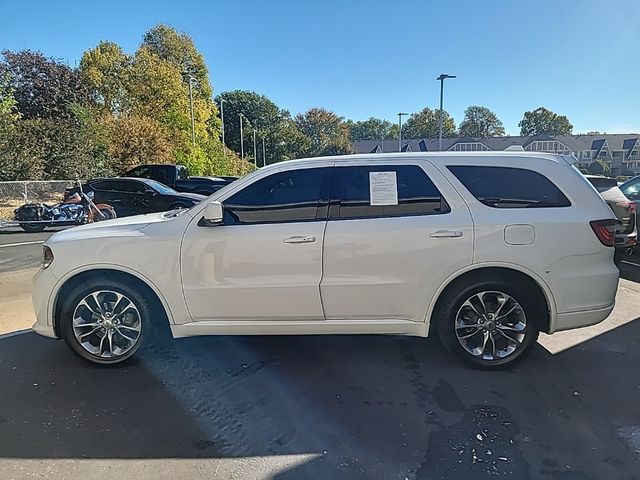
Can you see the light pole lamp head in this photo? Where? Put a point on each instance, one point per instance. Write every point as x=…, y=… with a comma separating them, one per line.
x=444, y=76
x=400, y=114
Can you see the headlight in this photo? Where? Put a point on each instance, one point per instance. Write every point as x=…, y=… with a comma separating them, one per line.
x=47, y=257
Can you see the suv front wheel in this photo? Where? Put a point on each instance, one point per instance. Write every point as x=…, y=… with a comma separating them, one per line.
x=104, y=321
x=490, y=323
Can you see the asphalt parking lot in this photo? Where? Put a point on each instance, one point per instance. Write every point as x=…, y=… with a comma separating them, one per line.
x=326, y=407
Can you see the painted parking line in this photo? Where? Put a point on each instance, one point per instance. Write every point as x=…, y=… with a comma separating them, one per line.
x=35, y=242
x=15, y=334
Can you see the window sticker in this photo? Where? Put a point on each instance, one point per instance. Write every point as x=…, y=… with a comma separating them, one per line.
x=383, y=188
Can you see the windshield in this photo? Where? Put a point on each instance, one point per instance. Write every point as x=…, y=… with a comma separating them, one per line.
x=160, y=187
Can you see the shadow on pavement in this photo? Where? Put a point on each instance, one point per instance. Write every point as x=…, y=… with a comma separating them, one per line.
x=356, y=406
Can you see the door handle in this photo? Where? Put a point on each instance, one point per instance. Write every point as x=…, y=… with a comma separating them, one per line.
x=299, y=239
x=446, y=234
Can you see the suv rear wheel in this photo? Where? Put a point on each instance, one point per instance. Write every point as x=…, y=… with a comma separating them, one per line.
x=490, y=323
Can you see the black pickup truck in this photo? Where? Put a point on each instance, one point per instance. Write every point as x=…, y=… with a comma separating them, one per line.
x=177, y=177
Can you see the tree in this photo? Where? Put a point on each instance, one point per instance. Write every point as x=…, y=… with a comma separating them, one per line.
x=105, y=71
x=42, y=87
x=598, y=167
x=372, y=129
x=178, y=49
x=481, y=122
x=543, y=121
x=283, y=139
x=426, y=123
x=327, y=133
x=135, y=140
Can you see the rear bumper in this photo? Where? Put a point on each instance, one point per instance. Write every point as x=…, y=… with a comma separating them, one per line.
x=586, y=318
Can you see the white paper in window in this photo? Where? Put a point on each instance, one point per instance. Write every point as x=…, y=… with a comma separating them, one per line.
x=383, y=188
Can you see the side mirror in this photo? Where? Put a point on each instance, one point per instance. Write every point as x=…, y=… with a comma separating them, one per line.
x=213, y=213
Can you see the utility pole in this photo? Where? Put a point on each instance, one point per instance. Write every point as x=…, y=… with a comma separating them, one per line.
x=255, y=155
x=264, y=154
x=193, y=123
x=224, y=146
x=400, y=130
x=442, y=78
x=241, y=139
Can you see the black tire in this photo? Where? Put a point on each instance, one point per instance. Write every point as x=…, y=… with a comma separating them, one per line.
x=177, y=206
x=75, y=296
x=107, y=214
x=33, y=227
x=529, y=298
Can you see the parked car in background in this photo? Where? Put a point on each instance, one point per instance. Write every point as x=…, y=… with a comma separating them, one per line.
x=177, y=177
x=624, y=209
x=484, y=250
x=135, y=196
x=631, y=188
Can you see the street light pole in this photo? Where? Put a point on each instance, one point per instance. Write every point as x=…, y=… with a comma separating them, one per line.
x=224, y=146
x=264, y=154
x=442, y=78
x=255, y=155
x=400, y=130
x=193, y=124
x=241, y=139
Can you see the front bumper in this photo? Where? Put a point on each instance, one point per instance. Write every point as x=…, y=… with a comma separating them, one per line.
x=43, y=286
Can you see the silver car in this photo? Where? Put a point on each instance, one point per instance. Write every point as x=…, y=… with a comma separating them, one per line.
x=623, y=206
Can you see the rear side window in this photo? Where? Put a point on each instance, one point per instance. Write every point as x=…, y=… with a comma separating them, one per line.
x=291, y=196
x=602, y=183
x=416, y=193
x=507, y=187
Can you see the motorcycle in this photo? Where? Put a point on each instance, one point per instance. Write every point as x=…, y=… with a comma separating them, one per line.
x=77, y=208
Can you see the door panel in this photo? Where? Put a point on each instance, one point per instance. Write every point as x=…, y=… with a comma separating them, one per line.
x=265, y=260
x=250, y=272
x=389, y=267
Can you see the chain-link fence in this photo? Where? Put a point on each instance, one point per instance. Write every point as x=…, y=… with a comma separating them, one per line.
x=33, y=191
x=14, y=194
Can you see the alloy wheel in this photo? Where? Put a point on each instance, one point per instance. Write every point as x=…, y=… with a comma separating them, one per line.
x=491, y=325
x=107, y=324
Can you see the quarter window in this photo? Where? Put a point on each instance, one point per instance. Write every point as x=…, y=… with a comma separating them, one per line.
x=416, y=193
x=507, y=187
x=291, y=196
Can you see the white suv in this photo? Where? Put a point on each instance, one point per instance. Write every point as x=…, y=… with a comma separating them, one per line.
x=484, y=249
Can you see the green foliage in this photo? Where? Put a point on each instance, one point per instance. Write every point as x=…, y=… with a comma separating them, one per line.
x=543, y=121
x=105, y=72
x=283, y=139
x=112, y=112
x=42, y=87
x=598, y=167
x=327, y=132
x=426, y=123
x=480, y=122
x=372, y=129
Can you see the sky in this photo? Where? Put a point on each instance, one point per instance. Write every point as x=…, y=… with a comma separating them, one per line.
x=579, y=58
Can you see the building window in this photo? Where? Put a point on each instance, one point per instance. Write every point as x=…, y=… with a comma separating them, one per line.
x=469, y=147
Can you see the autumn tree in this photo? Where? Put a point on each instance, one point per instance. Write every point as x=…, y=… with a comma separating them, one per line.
x=426, y=123
x=105, y=71
x=543, y=121
x=327, y=133
x=480, y=122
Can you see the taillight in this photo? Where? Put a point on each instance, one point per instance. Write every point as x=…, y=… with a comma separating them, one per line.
x=605, y=230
